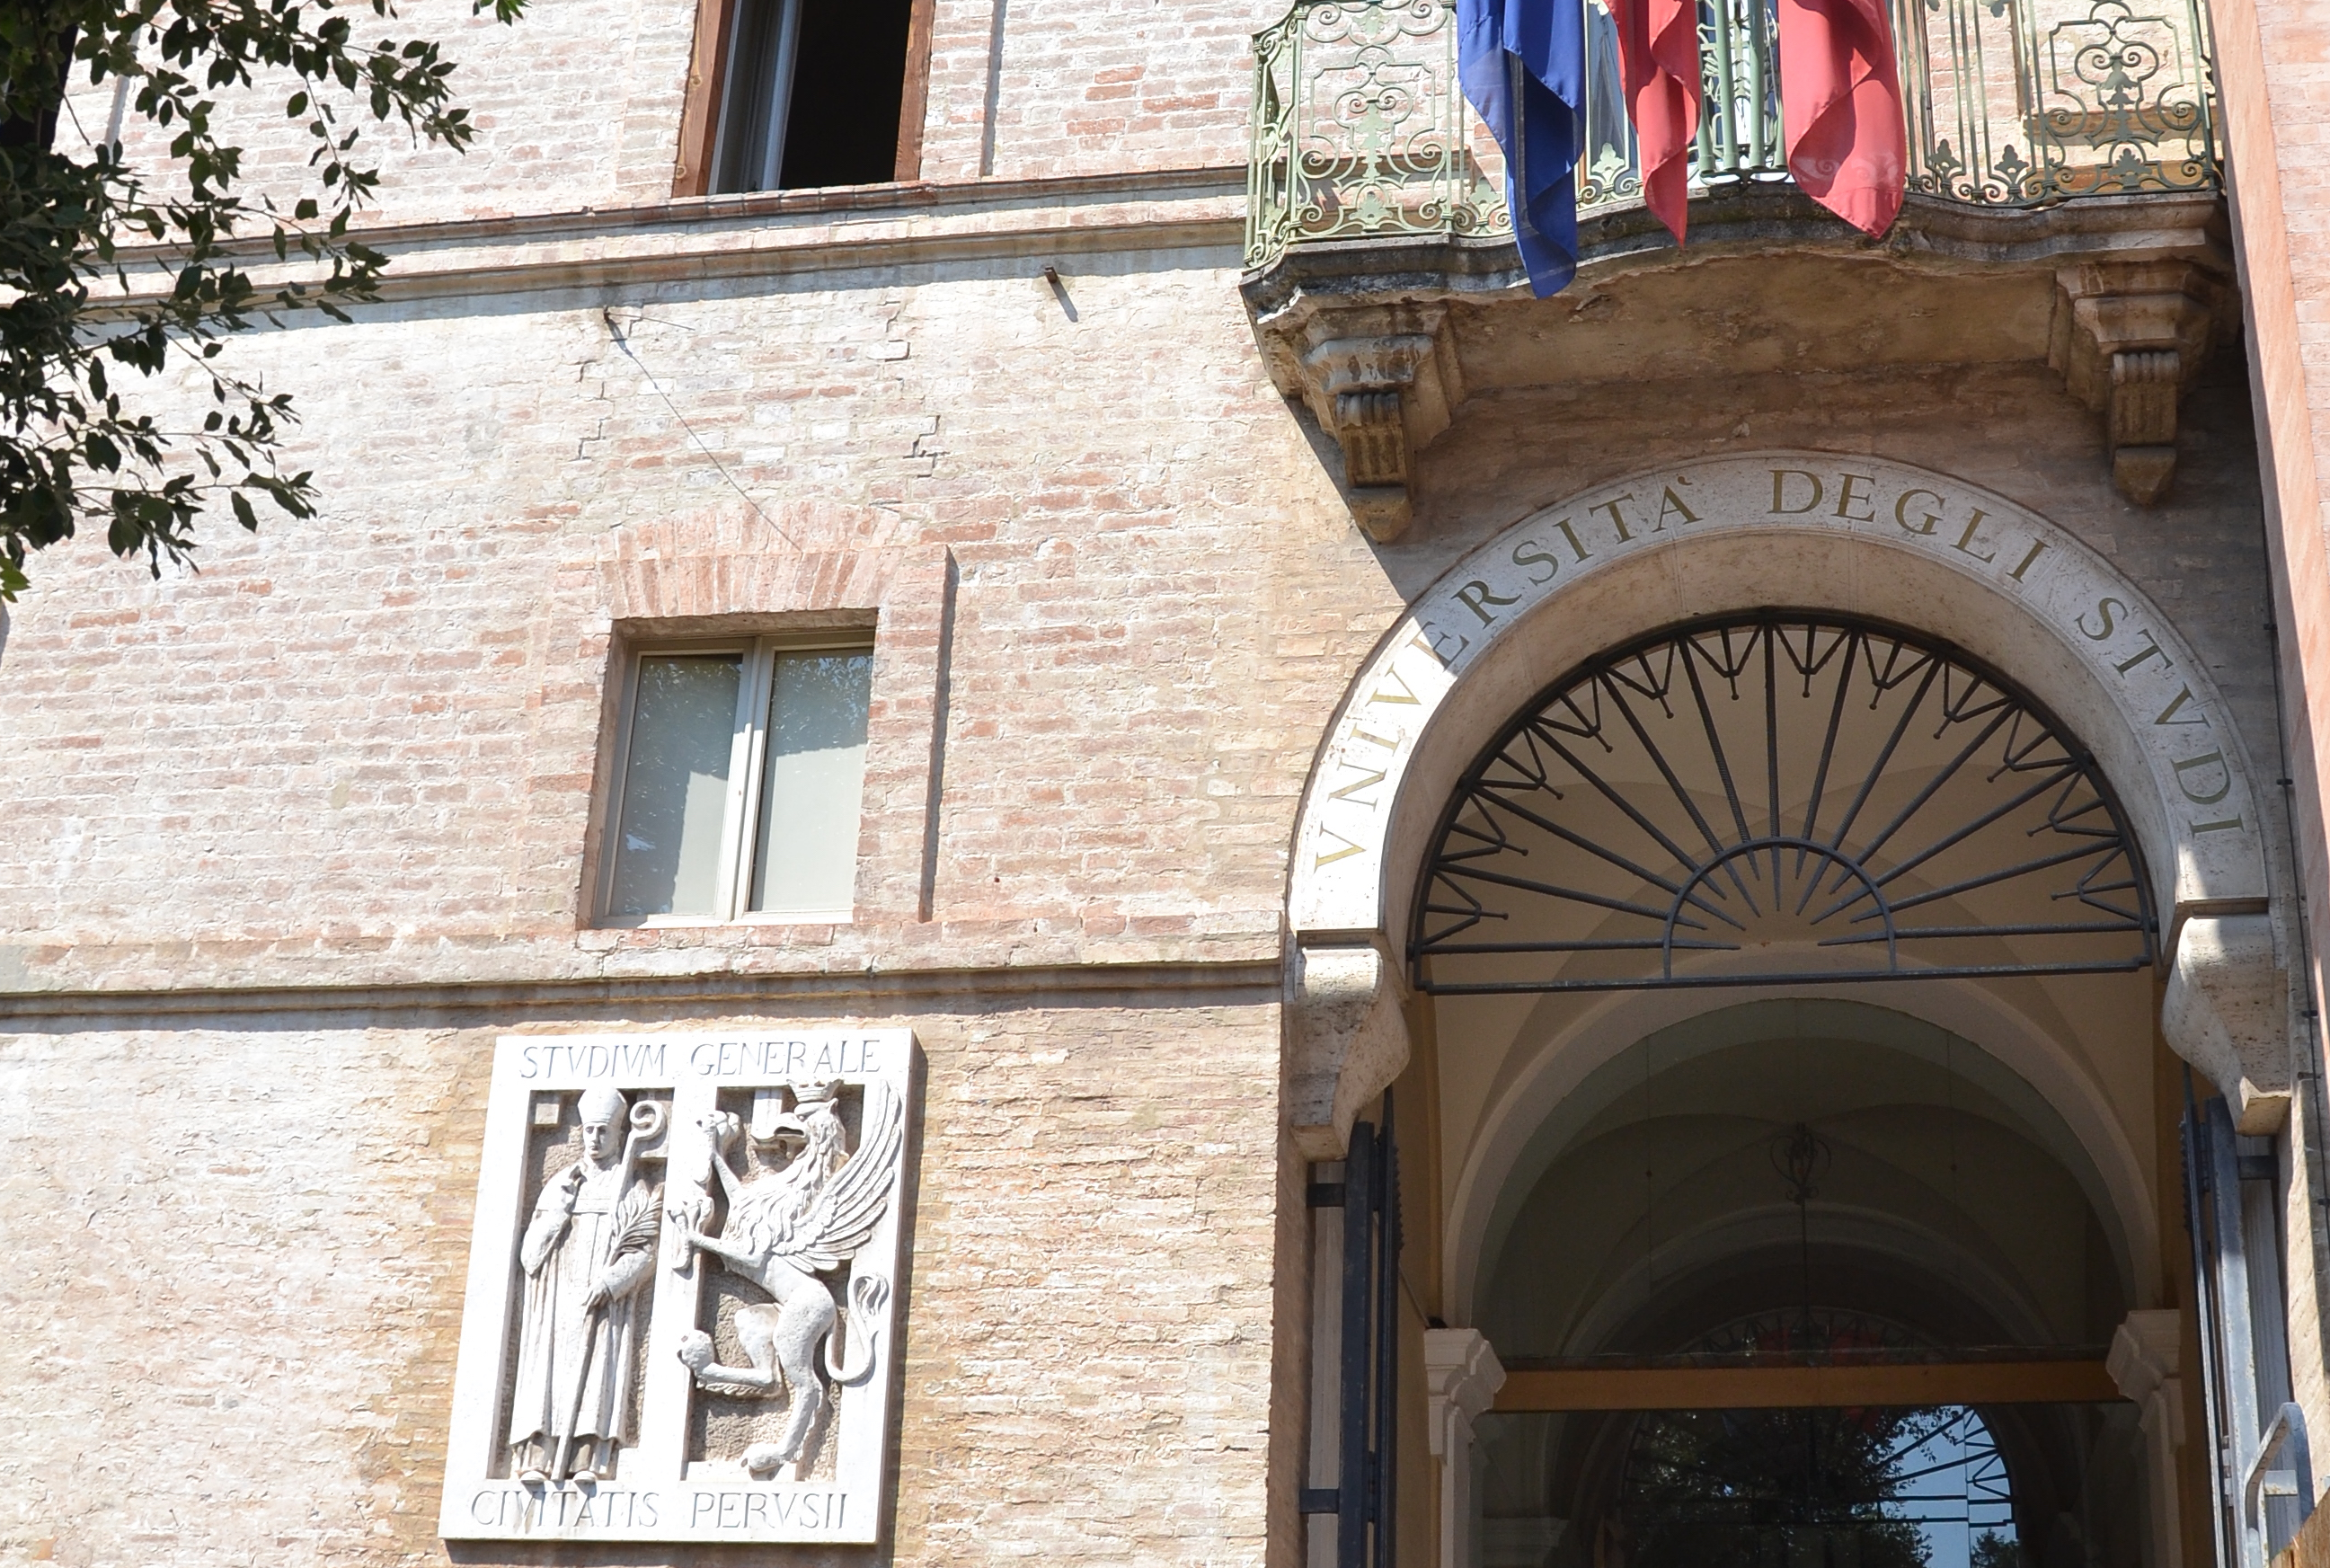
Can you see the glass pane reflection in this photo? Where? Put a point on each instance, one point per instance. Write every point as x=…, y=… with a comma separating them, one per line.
x=666, y=846
x=810, y=788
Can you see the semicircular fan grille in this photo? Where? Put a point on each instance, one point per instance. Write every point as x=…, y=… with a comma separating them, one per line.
x=1779, y=797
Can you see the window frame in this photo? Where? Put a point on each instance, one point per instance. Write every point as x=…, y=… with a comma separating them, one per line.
x=724, y=110
x=748, y=752
x=704, y=105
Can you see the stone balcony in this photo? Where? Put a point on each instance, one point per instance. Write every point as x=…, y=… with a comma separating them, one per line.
x=2068, y=144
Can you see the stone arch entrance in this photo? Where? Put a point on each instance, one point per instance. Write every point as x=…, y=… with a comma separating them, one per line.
x=1520, y=1058
x=1813, y=532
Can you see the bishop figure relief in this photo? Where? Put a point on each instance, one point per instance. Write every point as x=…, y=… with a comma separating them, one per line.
x=587, y=1253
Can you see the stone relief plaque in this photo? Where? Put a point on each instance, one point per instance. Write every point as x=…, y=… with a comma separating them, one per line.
x=681, y=1301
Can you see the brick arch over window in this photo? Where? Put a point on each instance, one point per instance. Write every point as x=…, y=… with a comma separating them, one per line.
x=738, y=559
x=733, y=568
x=1802, y=530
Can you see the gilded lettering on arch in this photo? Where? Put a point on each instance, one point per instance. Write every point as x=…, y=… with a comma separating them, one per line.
x=1782, y=491
x=1928, y=521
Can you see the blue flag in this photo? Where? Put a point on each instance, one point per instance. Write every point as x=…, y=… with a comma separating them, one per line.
x=1523, y=66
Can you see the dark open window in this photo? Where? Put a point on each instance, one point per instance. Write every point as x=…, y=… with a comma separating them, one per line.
x=802, y=93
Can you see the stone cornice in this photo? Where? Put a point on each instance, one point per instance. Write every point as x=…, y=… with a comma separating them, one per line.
x=794, y=232
x=1242, y=979
x=743, y=953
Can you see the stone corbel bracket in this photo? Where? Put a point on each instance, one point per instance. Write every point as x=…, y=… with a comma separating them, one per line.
x=2128, y=337
x=1461, y=1376
x=1346, y=1039
x=2227, y=1012
x=2141, y=1361
x=1383, y=381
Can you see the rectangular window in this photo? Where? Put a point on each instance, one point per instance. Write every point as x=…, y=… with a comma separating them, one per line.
x=738, y=783
x=793, y=94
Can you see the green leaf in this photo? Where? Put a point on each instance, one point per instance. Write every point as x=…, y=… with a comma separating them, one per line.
x=71, y=218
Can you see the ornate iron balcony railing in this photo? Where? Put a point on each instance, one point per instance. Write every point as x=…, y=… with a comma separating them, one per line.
x=1360, y=130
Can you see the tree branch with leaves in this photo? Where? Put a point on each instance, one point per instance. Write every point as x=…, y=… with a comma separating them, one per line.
x=113, y=271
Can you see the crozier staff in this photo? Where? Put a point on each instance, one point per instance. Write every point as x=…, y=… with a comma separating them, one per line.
x=587, y=1251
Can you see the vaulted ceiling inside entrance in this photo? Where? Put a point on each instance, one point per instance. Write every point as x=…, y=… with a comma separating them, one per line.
x=1810, y=1156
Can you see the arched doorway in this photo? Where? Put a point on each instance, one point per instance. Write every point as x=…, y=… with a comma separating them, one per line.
x=1808, y=1184
x=1627, y=884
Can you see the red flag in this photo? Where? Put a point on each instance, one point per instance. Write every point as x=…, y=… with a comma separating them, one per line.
x=1840, y=105
x=1658, y=58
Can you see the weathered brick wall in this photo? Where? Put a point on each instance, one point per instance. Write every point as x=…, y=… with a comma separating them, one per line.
x=365, y=748
x=578, y=105
x=389, y=745
x=238, y=1246
x=361, y=749
x=1081, y=88
x=231, y=1249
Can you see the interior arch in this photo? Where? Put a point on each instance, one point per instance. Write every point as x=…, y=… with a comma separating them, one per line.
x=1956, y=1200
x=1513, y=1108
x=1821, y=1178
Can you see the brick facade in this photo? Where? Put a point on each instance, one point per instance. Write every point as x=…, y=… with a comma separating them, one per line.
x=322, y=815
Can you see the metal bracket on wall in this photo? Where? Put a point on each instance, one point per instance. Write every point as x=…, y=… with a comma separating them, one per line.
x=2284, y=1440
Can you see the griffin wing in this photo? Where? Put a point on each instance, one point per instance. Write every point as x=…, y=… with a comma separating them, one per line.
x=853, y=1202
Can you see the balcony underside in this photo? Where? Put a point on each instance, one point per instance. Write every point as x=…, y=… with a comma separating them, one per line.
x=1383, y=339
